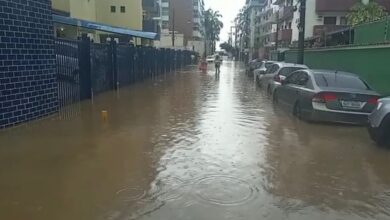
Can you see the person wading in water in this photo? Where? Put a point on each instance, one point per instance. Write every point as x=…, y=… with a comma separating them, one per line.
x=217, y=62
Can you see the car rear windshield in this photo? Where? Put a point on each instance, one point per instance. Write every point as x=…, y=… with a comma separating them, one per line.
x=340, y=81
x=267, y=65
x=286, y=71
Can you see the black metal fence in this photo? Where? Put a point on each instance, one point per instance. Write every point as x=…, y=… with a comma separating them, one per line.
x=68, y=74
x=85, y=69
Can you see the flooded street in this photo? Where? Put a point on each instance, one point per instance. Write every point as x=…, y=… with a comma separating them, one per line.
x=190, y=146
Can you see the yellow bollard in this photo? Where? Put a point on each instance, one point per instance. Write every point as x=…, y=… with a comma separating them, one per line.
x=104, y=115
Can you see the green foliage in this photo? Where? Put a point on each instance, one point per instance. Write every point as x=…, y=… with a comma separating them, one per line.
x=213, y=26
x=361, y=13
x=227, y=47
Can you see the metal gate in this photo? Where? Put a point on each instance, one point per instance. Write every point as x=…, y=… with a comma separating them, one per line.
x=101, y=68
x=68, y=74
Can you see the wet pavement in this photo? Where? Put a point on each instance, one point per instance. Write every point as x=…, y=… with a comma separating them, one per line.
x=190, y=146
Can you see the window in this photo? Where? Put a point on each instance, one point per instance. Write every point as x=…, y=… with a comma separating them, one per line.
x=272, y=69
x=113, y=9
x=165, y=25
x=123, y=9
x=302, y=79
x=298, y=78
x=330, y=20
x=165, y=12
x=343, y=21
x=286, y=71
x=336, y=80
x=268, y=65
x=292, y=79
x=289, y=25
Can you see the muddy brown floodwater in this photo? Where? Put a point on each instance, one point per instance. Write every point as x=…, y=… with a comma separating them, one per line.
x=190, y=146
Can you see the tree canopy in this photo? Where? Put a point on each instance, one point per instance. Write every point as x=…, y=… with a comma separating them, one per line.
x=363, y=13
x=213, y=26
x=227, y=47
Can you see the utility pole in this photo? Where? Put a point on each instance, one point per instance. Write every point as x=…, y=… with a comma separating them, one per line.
x=302, y=24
x=277, y=32
x=173, y=24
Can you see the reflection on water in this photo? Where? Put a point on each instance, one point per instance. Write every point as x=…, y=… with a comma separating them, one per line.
x=189, y=145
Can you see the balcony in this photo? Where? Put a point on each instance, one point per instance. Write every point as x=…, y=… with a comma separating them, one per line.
x=285, y=35
x=272, y=19
x=286, y=12
x=334, y=5
x=320, y=30
x=323, y=6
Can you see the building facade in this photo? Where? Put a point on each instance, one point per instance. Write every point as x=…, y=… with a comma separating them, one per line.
x=322, y=16
x=184, y=19
x=151, y=16
x=119, y=13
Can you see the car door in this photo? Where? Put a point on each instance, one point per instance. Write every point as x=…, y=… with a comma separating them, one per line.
x=303, y=93
x=284, y=92
x=269, y=74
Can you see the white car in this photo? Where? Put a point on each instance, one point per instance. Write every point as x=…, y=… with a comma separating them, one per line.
x=258, y=73
x=210, y=59
x=276, y=73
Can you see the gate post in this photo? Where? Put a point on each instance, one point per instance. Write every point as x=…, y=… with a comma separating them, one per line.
x=113, y=63
x=85, y=67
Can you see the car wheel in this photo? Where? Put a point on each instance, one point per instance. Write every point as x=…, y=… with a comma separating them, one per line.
x=381, y=135
x=387, y=135
x=297, y=111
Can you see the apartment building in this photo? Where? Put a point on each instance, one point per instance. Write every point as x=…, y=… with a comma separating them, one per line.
x=322, y=16
x=151, y=17
x=184, y=18
x=268, y=24
x=119, y=13
x=252, y=33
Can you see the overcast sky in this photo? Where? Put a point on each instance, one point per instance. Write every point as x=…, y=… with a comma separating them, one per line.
x=229, y=10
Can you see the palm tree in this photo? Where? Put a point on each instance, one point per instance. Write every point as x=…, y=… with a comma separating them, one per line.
x=242, y=29
x=213, y=26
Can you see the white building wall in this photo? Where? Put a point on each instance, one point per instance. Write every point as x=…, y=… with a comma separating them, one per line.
x=198, y=46
x=312, y=18
x=294, y=25
x=166, y=40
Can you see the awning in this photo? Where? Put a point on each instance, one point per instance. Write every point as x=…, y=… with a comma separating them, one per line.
x=102, y=27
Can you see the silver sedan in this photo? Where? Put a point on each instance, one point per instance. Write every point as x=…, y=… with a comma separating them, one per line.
x=324, y=95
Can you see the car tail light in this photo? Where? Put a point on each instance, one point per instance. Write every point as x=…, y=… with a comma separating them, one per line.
x=373, y=100
x=277, y=78
x=324, y=97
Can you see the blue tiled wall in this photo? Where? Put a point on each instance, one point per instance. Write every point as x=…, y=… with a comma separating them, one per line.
x=28, y=86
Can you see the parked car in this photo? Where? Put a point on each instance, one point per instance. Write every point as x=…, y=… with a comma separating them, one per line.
x=210, y=59
x=252, y=65
x=277, y=72
x=259, y=72
x=324, y=95
x=379, y=123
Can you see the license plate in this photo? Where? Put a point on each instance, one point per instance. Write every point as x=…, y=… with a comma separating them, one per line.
x=352, y=104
